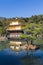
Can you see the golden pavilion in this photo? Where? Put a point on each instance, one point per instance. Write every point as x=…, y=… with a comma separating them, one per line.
x=14, y=31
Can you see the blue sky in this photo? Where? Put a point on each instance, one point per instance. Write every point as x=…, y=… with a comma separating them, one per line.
x=20, y=8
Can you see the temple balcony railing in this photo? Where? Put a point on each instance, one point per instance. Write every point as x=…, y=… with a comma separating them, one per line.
x=14, y=36
x=11, y=29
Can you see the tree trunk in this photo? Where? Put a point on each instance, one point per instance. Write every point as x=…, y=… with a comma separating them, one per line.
x=31, y=41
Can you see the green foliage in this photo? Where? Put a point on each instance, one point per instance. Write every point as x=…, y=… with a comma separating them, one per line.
x=32, y=29
x=3, y=24
x=33, y=25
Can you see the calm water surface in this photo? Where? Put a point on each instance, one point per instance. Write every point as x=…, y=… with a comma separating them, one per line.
x=9, y=57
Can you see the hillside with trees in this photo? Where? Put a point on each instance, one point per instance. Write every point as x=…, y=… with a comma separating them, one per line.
x=32, y=24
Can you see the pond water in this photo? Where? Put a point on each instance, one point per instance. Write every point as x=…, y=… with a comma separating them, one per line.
x=9, y=57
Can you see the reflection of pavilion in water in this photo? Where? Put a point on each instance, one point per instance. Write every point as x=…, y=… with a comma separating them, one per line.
x=14, y=31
